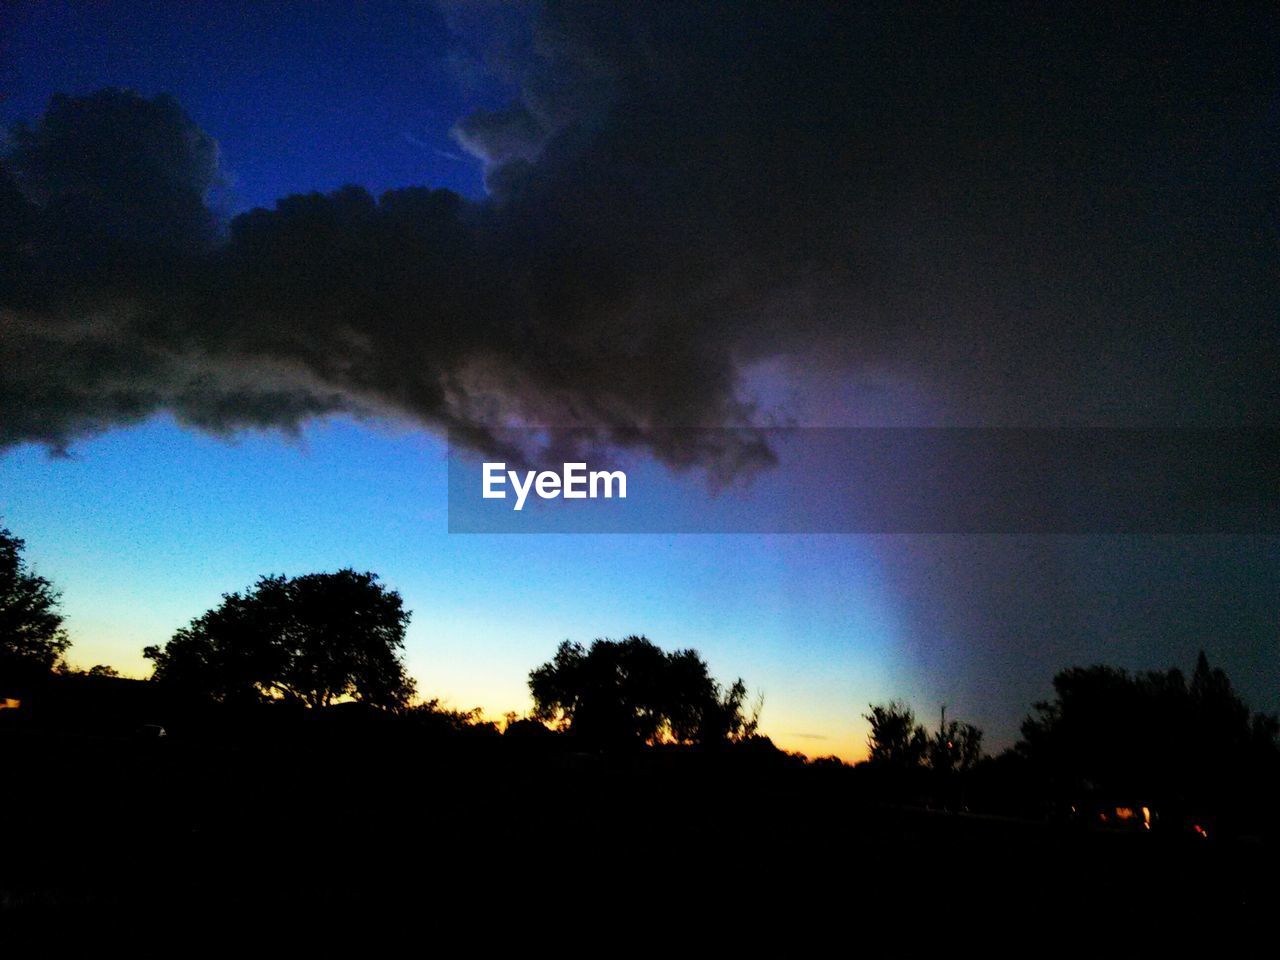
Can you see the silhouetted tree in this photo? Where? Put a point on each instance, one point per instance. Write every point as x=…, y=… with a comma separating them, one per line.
x=629, y=691
x=314, y=639
x=954, y=747
x=895, y=736
x=31, y=635
x=910, y=764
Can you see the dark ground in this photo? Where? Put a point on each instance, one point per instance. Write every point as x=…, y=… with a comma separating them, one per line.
x=333, y=838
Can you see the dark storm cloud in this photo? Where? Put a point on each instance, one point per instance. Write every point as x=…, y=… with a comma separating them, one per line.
x=123, y=300
x=1034, y=214
x=106, y=256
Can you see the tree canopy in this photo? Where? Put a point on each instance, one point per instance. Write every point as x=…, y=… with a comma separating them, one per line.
x=629, y=691
x=897, y=739
x=31, y=634
x=895, y=736
x=313, y=639
x=1151, y=732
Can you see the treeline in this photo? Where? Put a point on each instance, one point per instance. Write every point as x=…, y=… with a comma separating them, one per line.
x=321, y=656
x=324, y=640
x=1151, y=751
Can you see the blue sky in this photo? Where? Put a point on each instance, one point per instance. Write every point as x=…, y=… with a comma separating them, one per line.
x=144, y=528
x=301, y=96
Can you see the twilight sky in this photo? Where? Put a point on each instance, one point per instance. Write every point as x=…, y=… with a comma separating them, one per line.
x=633, y=218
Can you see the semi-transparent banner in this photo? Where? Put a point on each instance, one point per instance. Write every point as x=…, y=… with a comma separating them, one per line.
x=871, y=480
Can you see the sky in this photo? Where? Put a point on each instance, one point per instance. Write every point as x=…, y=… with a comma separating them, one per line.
x=638, y=219
x=304, y=97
